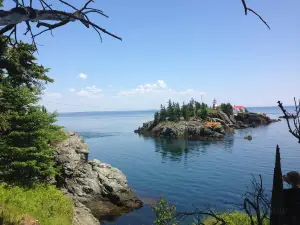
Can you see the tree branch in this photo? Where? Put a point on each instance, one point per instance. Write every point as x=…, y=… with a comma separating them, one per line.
x=246, y=9
x=21, y=13
x=295, y=132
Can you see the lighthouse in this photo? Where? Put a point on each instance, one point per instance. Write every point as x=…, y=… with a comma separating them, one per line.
x=214, y=103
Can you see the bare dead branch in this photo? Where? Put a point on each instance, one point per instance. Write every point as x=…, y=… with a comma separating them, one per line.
x=68, y=5
x=29, y=15
x=296, y=131
x=257, y=201
x=246, y=9
x=206, y=212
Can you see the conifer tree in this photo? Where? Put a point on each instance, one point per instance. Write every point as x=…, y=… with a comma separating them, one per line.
x=26, y=129
x=163, y=114
x=177, y=111
x=185, y=112
x=170, y=111
x=156, y=118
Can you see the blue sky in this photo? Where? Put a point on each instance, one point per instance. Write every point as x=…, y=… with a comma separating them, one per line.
x=175, y=49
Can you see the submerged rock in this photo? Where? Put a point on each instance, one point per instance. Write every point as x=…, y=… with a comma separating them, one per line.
x=96, y=188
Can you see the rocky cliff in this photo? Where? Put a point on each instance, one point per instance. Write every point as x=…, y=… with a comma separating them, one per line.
x=214, y=128
x=97, y=189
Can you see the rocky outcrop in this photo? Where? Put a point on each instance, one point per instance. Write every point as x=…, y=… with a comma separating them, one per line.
x=97, y=188
x=253, y=119
x=194, y=129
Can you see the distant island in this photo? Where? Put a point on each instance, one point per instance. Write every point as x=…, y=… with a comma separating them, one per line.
x=198, y=121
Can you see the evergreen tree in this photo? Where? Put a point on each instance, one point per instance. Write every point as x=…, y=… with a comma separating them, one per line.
x=185, y=112
x=227, y=108
x=177, y=111
x=156, y=118
x=163, y=114
x=191, y=108
x=197, y=106
x=26, y=130
x=170, y=111
x=202, y=113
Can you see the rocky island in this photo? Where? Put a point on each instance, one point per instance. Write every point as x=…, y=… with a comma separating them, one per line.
x=200, y=122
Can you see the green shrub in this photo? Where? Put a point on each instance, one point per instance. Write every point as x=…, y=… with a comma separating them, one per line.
x=164, y=212
x=43, y=202
x=233, y=218
x=227, y=108
x=202, y=113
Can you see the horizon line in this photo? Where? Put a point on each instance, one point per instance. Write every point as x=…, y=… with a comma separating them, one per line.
x=145, y=110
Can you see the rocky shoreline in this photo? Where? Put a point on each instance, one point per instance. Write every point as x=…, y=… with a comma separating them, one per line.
x=97, y=189
x=214, y=127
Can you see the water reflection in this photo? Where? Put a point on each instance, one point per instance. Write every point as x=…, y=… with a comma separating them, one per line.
x=177, y=150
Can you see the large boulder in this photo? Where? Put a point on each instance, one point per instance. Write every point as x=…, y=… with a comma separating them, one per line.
x=100, y=188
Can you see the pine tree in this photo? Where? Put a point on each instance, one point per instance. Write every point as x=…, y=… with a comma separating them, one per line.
x=163, y=114
x=26, y=130
x=156, y=118
x=191, y=108
x=177, y=111
x=185, y=112
x=197, y=106
x=170, y=111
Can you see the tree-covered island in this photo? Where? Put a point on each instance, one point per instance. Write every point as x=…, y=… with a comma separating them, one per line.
x=196, y=120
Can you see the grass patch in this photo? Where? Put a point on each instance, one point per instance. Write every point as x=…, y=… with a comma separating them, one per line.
x=211, y=110
x=234, y=218
x=44, y=203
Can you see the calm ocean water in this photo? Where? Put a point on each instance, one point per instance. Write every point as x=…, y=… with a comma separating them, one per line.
x=187, y=173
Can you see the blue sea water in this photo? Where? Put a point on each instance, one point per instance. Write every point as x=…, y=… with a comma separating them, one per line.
x=187, y=173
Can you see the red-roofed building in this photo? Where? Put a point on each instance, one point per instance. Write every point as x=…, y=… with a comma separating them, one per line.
x=238, y=108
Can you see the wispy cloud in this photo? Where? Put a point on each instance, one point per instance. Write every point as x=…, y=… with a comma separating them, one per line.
x=82, y=76
x=146, y=88
x=162, y=84
x=90, y=91
x=72, y=89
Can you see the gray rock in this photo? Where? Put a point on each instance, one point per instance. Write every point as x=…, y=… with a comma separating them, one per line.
x=225, y=117
x=188, y=129
x=102, y=189
x=83, y=215
x=231, y=117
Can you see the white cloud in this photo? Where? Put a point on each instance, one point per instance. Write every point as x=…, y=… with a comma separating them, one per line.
x=93, y=89
x=146, y=88
x=90, y=92
x=162, y=84
x=82, y=76
x=72, y=89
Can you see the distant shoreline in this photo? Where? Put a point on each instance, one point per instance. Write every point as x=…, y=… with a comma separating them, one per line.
x=147, y=110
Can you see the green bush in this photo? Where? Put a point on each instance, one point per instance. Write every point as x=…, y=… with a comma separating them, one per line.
x=202, y=113
x=233, y=218
x=227, y=108
x=43, y=202
x=164, y=212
